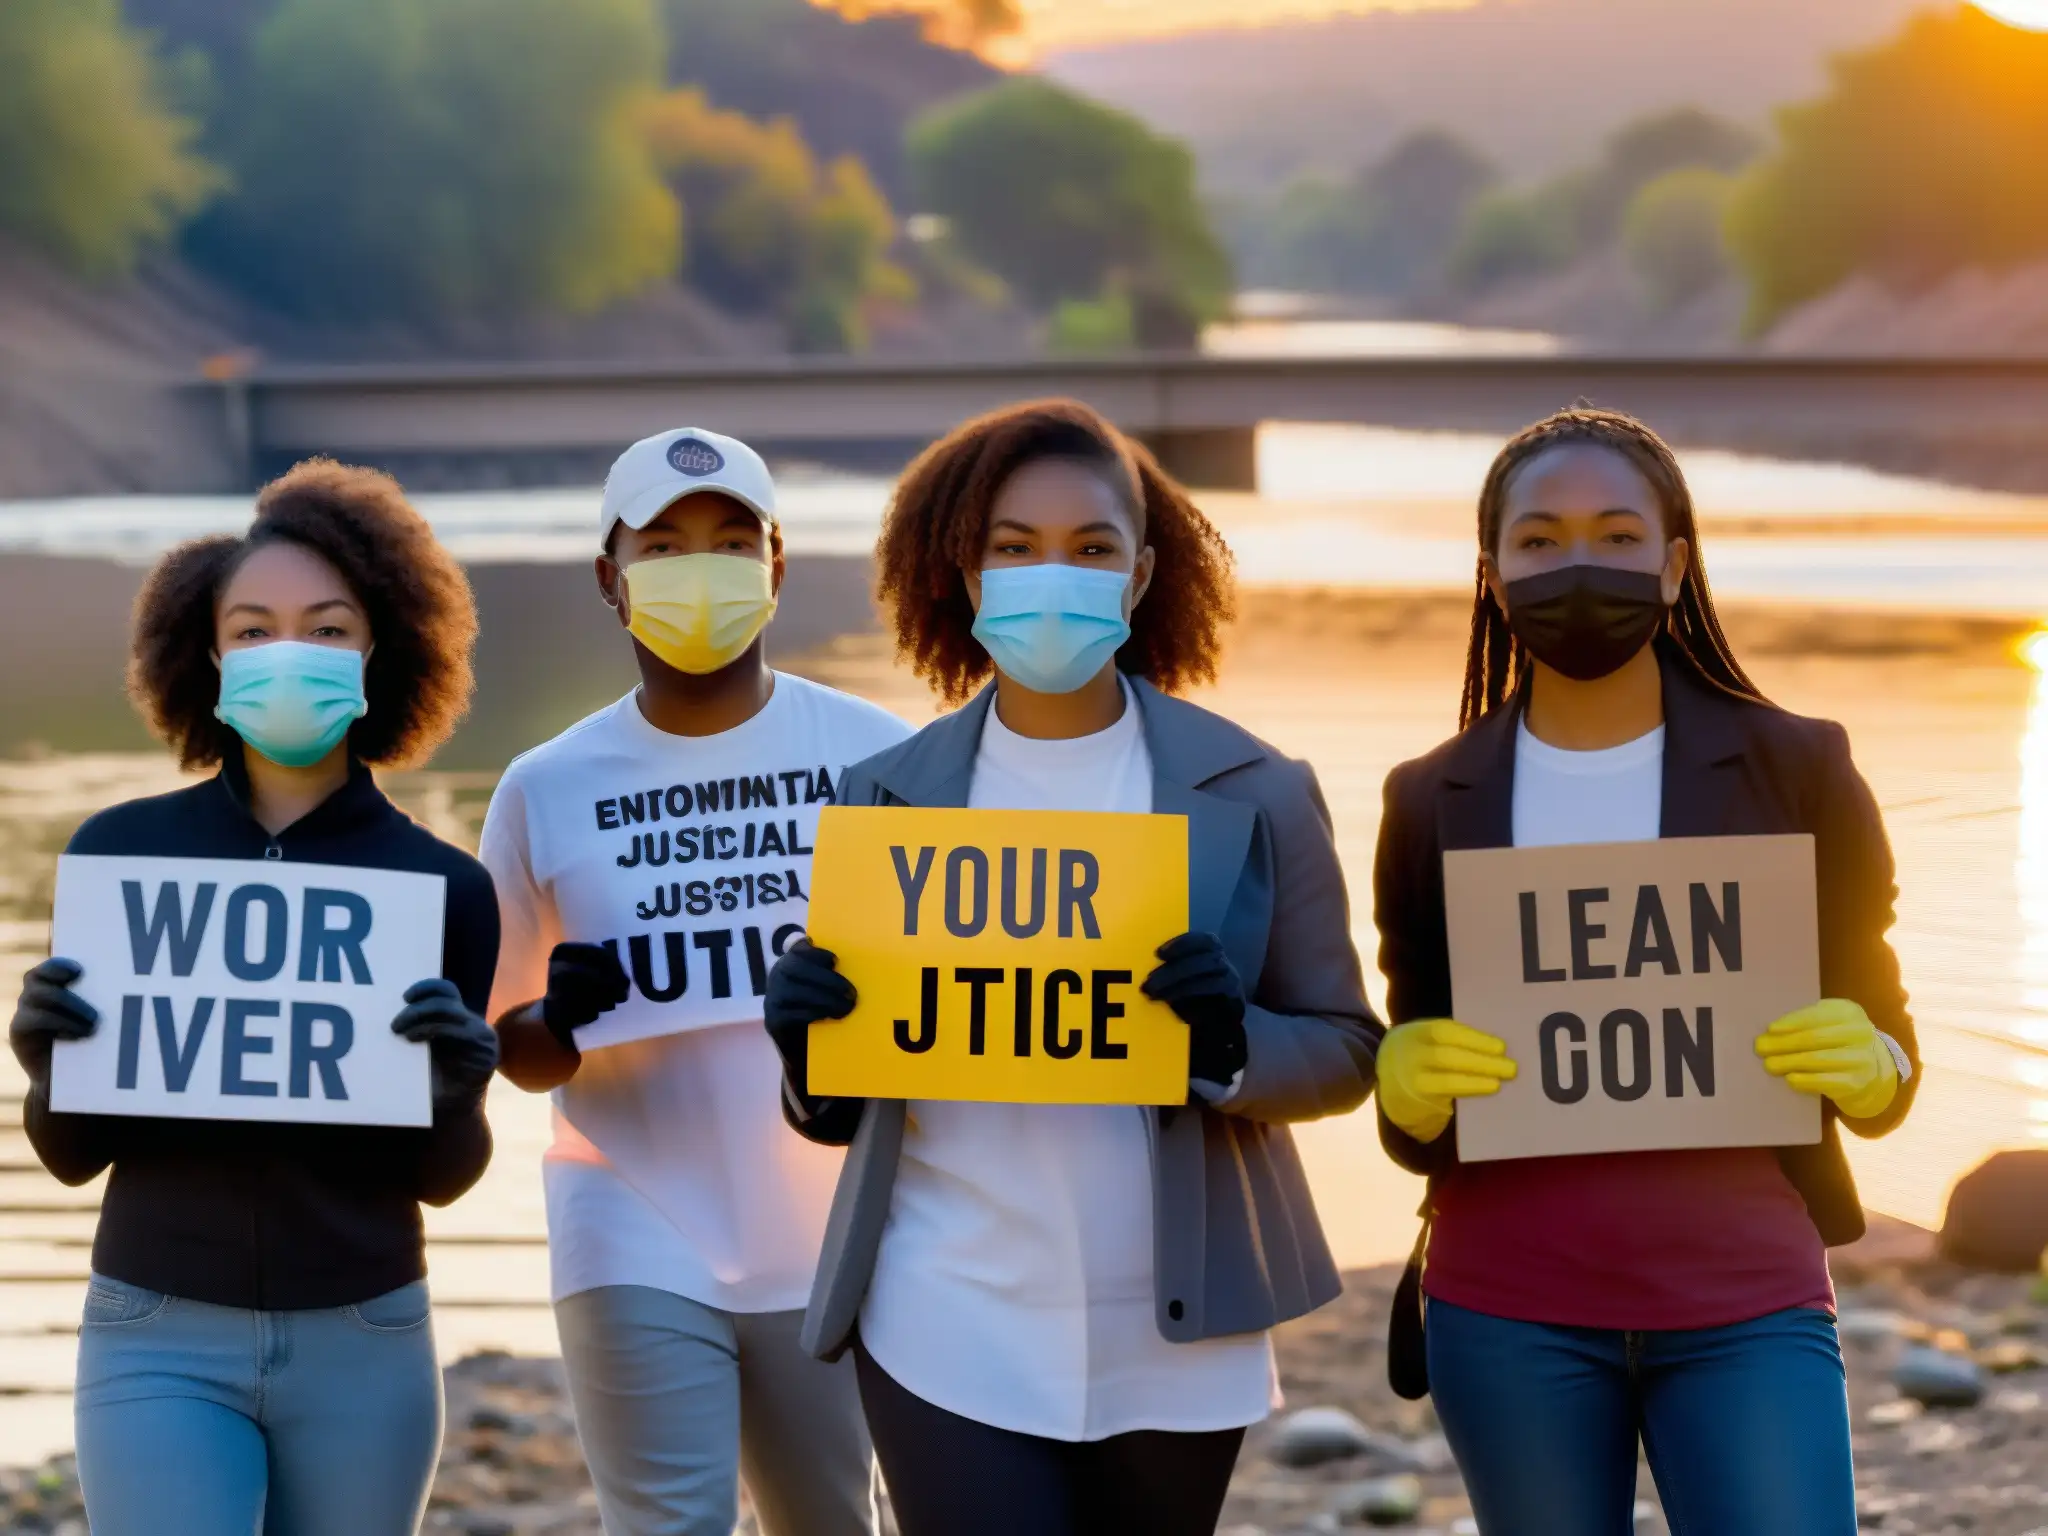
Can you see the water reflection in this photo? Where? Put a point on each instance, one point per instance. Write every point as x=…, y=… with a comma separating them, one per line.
x=2031, y=872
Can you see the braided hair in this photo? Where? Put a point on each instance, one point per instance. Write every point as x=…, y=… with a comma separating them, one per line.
x=1495, y=661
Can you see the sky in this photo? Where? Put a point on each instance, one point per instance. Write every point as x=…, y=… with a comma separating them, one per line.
x=1078, y=23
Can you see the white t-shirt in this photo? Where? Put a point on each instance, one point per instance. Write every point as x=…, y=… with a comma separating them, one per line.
x=1611, y=796
x=1014, y=1285
x=672, y=1167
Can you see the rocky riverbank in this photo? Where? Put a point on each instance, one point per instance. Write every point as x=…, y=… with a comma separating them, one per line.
x=1948, y=1385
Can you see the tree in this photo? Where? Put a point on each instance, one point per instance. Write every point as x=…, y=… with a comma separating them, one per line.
x=1926, y=156
x=1067, y=199
x=956, y=23
x=851, y=87
x=1672, y=236
x=95, y=164
x=1511, y=235
x=431, y=159
x=1651, y=147
x=769, y=230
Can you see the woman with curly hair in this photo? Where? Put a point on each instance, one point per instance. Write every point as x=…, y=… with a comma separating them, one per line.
x=255, y=1355
x=1060, y=1313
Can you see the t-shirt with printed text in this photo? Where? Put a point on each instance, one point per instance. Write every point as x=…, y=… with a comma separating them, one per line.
x=690, y=856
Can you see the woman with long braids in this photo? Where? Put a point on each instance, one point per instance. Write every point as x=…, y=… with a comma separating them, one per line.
x=1578, y=1304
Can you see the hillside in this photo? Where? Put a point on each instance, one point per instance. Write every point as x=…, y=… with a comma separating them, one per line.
x=1535, y=83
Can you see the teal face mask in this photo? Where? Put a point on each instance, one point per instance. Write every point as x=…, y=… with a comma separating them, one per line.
x=291, y=701
x=1052, y=627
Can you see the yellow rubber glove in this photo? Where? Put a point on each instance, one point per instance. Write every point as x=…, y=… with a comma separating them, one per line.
x=1427, y=1065
x=1833, y=1050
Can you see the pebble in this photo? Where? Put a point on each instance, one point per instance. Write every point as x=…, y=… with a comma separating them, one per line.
x=1393, y=1500
x=1312, y=1436
x=1868, y=1325
x=2009, y=1355
x=1938, y=1379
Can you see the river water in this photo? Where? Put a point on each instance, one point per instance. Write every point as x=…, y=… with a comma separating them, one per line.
x=1910, y=611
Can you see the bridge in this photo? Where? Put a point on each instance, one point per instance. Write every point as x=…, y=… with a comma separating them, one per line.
x=1200, y=412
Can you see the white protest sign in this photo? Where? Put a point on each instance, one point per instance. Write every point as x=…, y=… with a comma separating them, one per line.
x=698, y=889
x=237, y=989
x=1630, y=981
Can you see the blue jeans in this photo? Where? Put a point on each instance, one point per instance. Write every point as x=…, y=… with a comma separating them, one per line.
x=197, y=1420
x=1746, y=1427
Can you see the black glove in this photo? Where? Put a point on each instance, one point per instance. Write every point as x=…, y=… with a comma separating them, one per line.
x=584, y=980
x=1197, y=981
x=804, y=988
x=464, y=1046
x=49, y=1011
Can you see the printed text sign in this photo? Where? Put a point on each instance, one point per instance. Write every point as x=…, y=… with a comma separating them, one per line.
x=998, y=955
x=232, y=989
x=707, y=879
x=1630, y=981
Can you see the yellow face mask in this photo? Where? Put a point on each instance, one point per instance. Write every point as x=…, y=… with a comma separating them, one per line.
x=699, y=612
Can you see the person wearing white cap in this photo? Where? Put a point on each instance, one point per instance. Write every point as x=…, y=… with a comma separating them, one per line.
x=651, y=863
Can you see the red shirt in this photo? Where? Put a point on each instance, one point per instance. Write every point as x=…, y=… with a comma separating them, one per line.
x=1634, y=1240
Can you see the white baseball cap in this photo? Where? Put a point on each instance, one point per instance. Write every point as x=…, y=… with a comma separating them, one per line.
x=658, y=471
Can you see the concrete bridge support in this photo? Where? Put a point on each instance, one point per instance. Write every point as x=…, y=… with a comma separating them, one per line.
x=1213, y=459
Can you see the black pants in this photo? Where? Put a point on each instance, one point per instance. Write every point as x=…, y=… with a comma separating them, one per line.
x=950, y=1476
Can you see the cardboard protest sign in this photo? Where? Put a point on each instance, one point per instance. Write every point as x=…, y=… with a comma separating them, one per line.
x=1630, y=981
x=231, y=989
x=998, y=955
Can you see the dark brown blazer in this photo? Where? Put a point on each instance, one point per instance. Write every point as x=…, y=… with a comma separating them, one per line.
x=1732, y=767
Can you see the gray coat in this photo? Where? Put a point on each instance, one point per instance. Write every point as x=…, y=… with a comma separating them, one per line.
x=1236, y=1244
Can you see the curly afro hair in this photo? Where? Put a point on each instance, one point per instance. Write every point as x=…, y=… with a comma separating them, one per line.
x=421, y=614
x=937, y=526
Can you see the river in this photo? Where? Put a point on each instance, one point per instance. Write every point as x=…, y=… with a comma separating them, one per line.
x=1908, y=610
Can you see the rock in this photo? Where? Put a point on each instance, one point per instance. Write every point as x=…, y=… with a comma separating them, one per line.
x=1899, y=1410
x=1393, y=1500
x=1869, y=1325
x=1432, y=1453
x=487, y=1525
x=1937, y=1379
x=1464, y=1525
x=499, y=1421
x=2009, y=1355
x=1997, y=1215
x=2020, y=1323
x=1312, y=1436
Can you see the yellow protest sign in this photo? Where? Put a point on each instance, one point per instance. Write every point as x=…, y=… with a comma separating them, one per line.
x=998, y=955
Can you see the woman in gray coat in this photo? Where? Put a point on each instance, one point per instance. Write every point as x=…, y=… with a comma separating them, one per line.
x=1060, y=1313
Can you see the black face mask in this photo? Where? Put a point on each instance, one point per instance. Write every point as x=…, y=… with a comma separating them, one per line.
x=1586, y=621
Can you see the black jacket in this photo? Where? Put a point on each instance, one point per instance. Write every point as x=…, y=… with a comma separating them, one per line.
x=1732, y=767
x=263, y=1215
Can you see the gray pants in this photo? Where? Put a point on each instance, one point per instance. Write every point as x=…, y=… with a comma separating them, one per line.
x=676, y=1401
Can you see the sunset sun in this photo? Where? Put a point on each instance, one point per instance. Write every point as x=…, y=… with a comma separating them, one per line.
x=2031, y=14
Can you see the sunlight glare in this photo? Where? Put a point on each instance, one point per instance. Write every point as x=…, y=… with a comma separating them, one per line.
x=2030, y=14
x=2034, y=650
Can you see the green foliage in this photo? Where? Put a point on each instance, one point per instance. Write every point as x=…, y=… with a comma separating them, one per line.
x=1067, y=199
x=1672, y=236
x=1511, y=235
x=1515, y=235
x=1093, y=325
x=447, y=158
x=1647, y=149
x=771, y=232
x=851, y=87
x=1929, y=154
x=95, y=163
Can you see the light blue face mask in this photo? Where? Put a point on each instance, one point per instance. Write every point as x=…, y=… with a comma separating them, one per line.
x=291, y=701
x=1052, y=627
